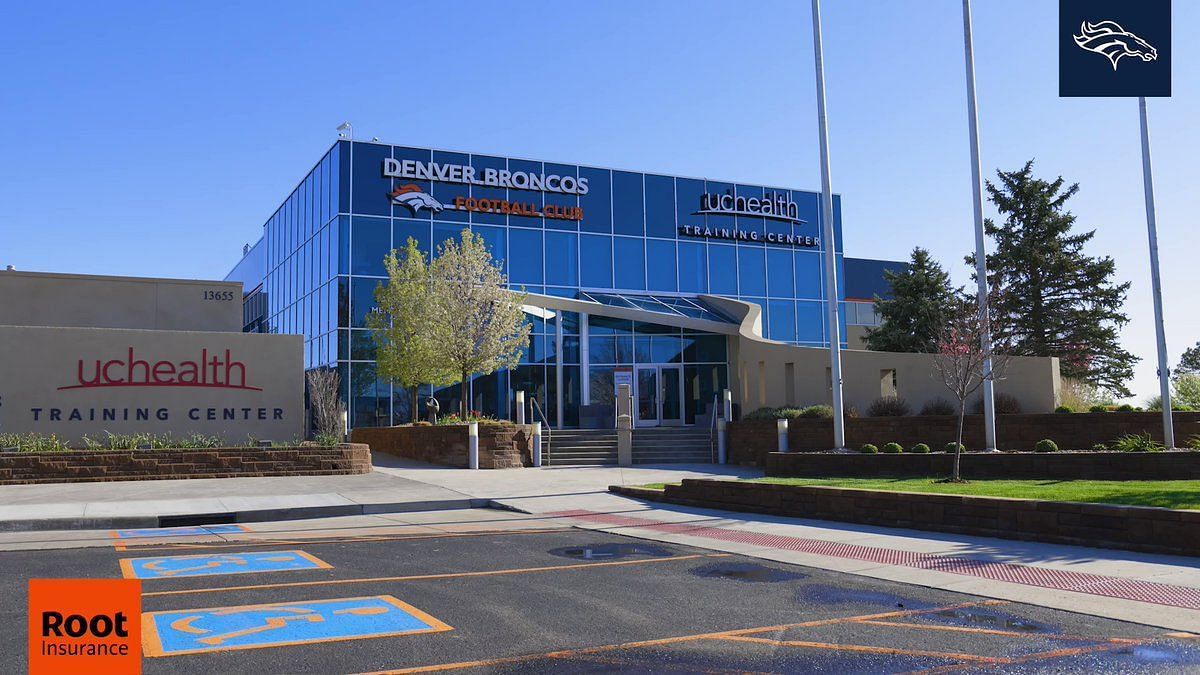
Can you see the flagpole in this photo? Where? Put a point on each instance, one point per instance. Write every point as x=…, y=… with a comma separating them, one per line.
x=1164, y=373
x=830, y=243
x=989, y=406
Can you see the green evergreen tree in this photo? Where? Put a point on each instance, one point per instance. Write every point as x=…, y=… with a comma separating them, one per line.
x=921, y=303
x=1057, y=301
x=1189, y=363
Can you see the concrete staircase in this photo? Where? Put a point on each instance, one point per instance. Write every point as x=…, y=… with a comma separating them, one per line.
x=580, y=447
x=671, y=445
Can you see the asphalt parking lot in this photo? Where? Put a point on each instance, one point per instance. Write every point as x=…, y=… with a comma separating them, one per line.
x=488, y=591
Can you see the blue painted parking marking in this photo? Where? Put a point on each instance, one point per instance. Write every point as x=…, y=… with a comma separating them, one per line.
x=196, y=531
x=207, y=564
x=192, y=631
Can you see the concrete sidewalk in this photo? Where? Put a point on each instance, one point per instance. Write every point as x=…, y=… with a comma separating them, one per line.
x=160, y=503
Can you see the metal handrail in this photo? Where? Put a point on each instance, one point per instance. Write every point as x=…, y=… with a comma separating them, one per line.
x=712, y=430
x=534, y=405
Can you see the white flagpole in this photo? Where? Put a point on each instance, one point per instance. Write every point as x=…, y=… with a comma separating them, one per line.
x=1164, y=374
x=989, y=407
x=830, y=243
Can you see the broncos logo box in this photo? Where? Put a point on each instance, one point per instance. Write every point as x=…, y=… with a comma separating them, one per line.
x=1114, y=48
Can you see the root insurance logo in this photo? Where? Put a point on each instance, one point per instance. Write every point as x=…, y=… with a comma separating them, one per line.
x=1114, y=48
x=85, y=626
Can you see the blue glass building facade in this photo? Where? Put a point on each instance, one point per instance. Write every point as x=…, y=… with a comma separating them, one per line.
x=603, y=235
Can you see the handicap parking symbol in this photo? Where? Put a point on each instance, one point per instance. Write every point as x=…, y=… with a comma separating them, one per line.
x=192, y=631
x=208, y=564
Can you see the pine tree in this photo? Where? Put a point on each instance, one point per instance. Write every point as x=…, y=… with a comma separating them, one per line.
x=1057, y=301
x=921, y=303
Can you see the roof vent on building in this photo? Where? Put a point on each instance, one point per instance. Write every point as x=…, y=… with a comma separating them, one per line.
x=10, y=268
x=245, y=249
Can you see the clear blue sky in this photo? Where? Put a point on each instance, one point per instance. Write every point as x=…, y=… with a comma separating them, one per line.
x=155, y=138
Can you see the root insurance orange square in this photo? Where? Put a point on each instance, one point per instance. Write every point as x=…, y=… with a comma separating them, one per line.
x=85, y=626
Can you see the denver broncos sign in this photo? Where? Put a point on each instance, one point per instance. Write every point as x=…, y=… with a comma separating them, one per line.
x=1109, y=39
x=415, y=199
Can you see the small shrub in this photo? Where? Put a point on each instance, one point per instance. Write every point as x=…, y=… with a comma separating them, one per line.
x=767, y=413
x=868, y=449
x=422, y=423
x=1097, y=409
x=950, y=447
x=1099, y=447
x=1137, y=443
x=824, y=412
x=1005, y=404
x=33, y=442
x=893, y=448
x=919, y=449
x=326, y=440
x=1045, y=445
x=849, y=412
x=788, y=413
x=1125, y=407
x=888, y=406
x=1064, y=409
x=939, y=406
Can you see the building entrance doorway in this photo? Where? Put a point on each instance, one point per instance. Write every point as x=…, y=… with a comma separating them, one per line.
x=659, y=396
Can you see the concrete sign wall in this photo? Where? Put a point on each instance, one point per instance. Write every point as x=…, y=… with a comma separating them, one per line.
x=85, y=381
x=85, y=301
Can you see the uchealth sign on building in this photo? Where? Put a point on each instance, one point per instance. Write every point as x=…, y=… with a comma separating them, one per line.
x=76, y=382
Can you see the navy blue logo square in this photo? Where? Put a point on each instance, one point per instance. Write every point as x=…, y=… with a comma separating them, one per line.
x=1114, y=48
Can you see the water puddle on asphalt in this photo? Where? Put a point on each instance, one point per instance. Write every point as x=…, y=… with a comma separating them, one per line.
x=986, y=619
x=837, y=595
x=610, y=551
x=745, y=572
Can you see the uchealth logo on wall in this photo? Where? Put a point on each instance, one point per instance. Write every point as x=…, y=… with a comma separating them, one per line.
x=85, y=626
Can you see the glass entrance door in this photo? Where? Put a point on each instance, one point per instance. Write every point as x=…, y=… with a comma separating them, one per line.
x=659, y=396
x=647, y=396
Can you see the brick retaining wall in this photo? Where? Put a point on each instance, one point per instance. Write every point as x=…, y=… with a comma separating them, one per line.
x=751, y=440
x=501, y=446
x=104, y=465
x=1101, y=525
x=1180, y=465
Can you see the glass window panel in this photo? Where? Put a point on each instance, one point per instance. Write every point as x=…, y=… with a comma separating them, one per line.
x=720, y=190
x=525, y=256
x=343, y=301
x=693, y=273
x=660, y=272
x=446, y=192
x=601, y=386
x=341, y=241
x=642, y=328
x=532, y=198
x=362, y=345
x=570, y=349
x=641, y=349
x=597, y=203
x=782, y=320
x=706, y=349
x=688, y=193
x=569, y=321
x=370, y=187
x=571, y=395
x=666, y=349
x=722, y=269
x=363, y=300
x=595, y=261
x=810, y=321
x=660, y=206
x=607, y=325
x=628, y=208
x=602, y=349
x=629, y=263
x=443, y=232
x=341, y=186
x=779, y=273
x=371, y=239
x=496, y=241
x=481, y=162
x=563, y=202
x=562, y=249
x=403, y=228
x=750, y=223
x=808, y=275
x=752, y=274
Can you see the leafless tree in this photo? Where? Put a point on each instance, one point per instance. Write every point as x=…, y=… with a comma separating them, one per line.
x=961, y=362
x=326, y=402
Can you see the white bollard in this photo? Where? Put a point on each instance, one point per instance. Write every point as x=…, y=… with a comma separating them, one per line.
x=520, y=406
x=473, y=445
x=537, y=443
x=722, y=448
x=727, y=406
x=781, y=427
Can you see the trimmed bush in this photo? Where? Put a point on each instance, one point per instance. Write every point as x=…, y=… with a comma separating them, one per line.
x=1194, y=442
x=767, y=413
x=1045, y=445
x=888, y=406
x=823, y=412
x=919, y=449
x=849, y=412
x=1099, y=447
x=1125, y=407
x=893, y=448
x=939, y=406
x=950, y=447
x=868, y=449
x=1097, y=408
x=1137, y=443
x=1006, y=404
x=1065, y=409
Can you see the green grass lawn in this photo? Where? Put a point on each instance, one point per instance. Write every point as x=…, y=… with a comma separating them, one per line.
x=1173, y=494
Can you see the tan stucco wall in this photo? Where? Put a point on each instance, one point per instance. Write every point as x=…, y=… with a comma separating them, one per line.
x=77, y=300
x=41, y=369
x=768, y=373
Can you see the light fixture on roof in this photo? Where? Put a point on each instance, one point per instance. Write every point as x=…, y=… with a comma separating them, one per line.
x=346, y=130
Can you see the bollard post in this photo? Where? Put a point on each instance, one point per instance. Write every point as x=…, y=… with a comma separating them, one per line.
x=624, y=425
x=473, y=445
x=345, y=426
x=722, y=448
x=781, y=427
x=537, y=443
x=727, y=406
x=520, y=407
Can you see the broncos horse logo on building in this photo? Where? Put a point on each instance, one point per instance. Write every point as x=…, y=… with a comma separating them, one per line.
x=411, y=196
x=1114, y=42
